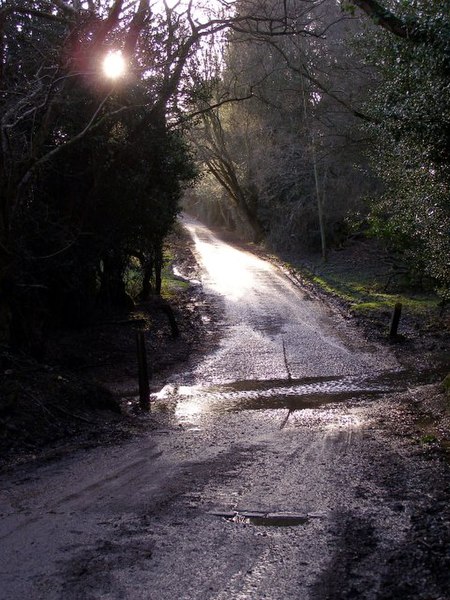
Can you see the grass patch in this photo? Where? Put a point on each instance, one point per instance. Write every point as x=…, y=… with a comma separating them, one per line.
x=362, y=286
x=429, y=438
x=170, y=284
x=417, y=305
x=133, y=278
x=337, y=288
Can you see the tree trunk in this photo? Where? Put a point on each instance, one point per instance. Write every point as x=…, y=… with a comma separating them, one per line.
x=323, y=240
x=316, y=176
x=158, y=268
x=147, y=268
x=112, y=290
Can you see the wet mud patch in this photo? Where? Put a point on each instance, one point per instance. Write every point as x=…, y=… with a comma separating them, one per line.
x=392, y=542
x=133, y=542
x=99, y=568
x=350, y=574
x=270, y=325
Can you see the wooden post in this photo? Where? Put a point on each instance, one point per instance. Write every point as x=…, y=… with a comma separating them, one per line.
x=144, y=388
x=395, y=320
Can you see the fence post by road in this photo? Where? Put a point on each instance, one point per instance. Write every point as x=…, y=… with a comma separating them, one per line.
x=395, y=320
x=144, y=387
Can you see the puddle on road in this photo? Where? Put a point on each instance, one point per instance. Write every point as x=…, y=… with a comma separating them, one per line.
x=307, y=394
x=261, y=519
x=276, y=394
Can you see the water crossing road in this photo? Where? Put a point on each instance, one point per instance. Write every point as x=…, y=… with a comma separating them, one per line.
x=277, y=475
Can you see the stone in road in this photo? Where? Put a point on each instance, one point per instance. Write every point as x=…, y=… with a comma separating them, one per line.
x=279, y=477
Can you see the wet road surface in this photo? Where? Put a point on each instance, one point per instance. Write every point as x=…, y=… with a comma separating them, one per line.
x=277, y=475
x=272, y=329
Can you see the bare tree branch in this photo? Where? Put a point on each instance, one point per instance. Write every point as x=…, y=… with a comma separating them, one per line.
x=409, y=29
x=57, y=149
x=304, y=72
x=386, y=19
x=136, y=26
x=211, y=107
x=65, y=7
x=108, y=24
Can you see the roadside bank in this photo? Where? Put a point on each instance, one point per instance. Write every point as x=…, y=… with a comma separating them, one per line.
x=84, y=392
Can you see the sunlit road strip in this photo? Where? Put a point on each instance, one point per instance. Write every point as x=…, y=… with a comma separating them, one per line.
x=270, y=327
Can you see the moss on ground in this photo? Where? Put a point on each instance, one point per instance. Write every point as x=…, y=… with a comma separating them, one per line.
x=362, y=286
x=171, y=285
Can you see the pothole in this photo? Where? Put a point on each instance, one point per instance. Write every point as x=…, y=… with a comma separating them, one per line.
x=267, y=519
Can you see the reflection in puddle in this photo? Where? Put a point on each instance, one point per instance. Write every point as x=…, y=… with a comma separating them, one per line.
x=261, y=519
x=303, y=395
x=185, y=410
x=329, y=419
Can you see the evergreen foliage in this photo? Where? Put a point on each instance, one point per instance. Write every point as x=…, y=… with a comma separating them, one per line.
x=411, y=112
x=91, y=173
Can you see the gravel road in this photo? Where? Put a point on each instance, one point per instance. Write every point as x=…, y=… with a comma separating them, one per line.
x=283, y=471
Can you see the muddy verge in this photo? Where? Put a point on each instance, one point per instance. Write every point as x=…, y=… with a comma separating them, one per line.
x=85, y=390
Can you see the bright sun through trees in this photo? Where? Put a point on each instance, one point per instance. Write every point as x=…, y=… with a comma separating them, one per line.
x=114, y=65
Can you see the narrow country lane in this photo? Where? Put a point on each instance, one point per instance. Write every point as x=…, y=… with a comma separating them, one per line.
x=279, y=476
x=273, y=330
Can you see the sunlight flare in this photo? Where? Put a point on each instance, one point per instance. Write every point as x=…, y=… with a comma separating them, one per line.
x=114, y=65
